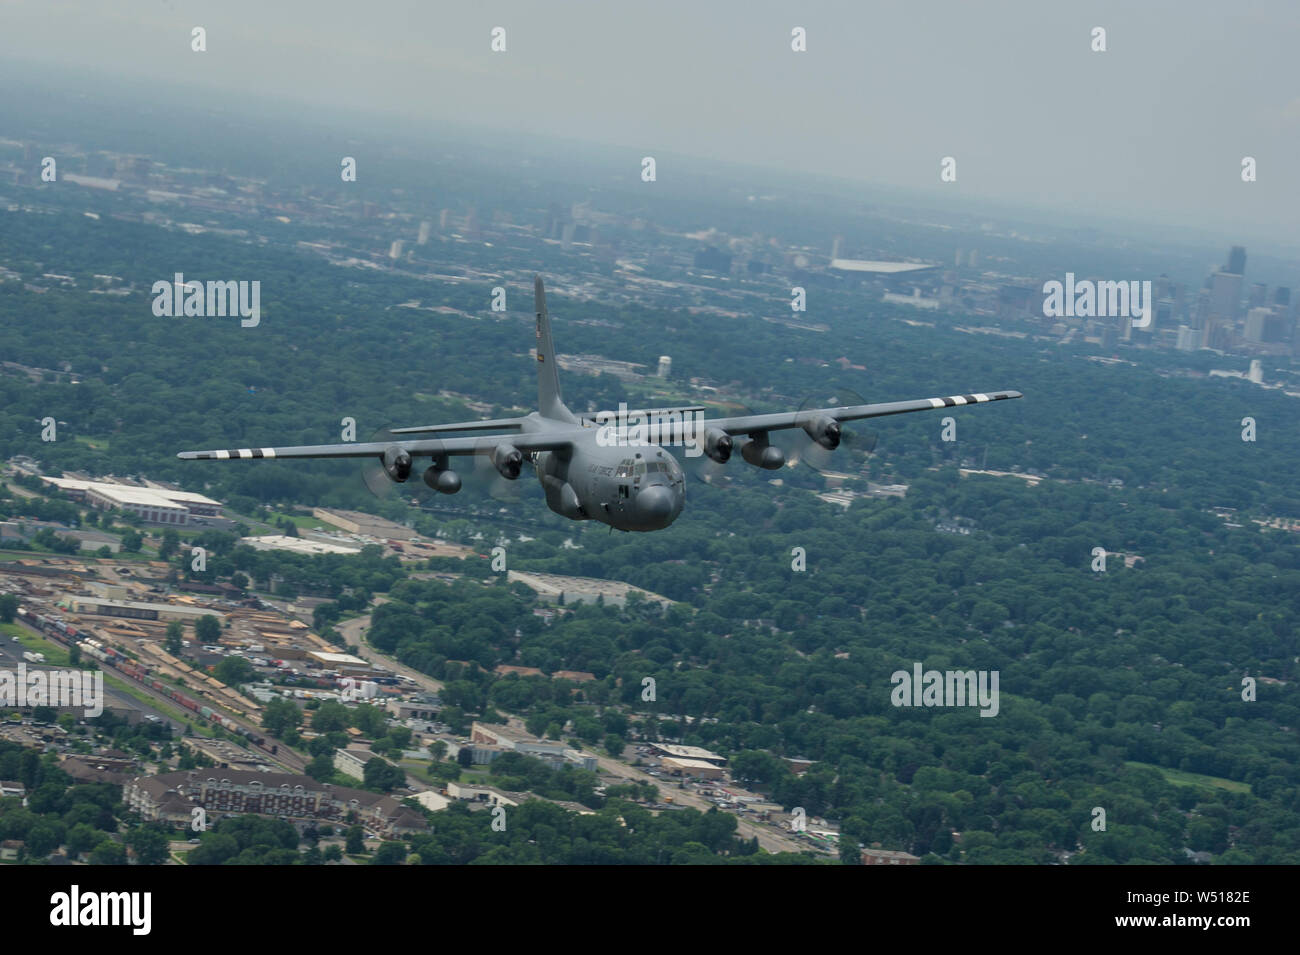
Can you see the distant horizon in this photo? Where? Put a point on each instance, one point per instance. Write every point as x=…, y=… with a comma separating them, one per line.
x=799, y=184
x=1151, y=131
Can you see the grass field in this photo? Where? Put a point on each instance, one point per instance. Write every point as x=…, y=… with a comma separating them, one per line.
x=302, y=523
x=1181, y=778
x=55, y=655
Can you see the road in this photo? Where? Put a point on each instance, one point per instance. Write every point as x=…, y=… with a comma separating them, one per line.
x=352, y=632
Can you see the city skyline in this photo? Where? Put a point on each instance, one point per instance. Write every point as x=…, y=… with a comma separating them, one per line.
x=1142, y=130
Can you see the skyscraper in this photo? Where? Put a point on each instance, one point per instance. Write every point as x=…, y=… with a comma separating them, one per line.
x=1225, y=296
x=1255, y=320
x=1237, y=260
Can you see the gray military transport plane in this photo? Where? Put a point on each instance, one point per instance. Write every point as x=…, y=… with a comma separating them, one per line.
x=610, y=469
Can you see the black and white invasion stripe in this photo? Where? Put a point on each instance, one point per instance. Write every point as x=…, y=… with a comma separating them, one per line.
x=979, y=398
x=237, y=453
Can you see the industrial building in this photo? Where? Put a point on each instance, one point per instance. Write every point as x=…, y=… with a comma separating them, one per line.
x=557, y=588
x=504, y=739
x=698, y=753
x=367, y=525
x=106, y=607
x=424, y=706
x=698, y=768
x=154, y=505
x=298, y=545
x=344, y=663
x=226, y=755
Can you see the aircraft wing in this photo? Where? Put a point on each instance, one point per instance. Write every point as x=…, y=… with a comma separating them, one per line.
x=752, y=424
x=421, y=447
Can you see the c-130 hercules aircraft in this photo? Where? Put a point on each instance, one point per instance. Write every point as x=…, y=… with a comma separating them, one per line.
x=589, y=469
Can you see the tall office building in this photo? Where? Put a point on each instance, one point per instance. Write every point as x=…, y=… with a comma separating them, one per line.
x=425, y=228
x=1277, y=327
x=1201, y=314
x=1163, y=315
x=1258, y=295
x=1255, y=321
x=1225, y=296
x=1237, y=260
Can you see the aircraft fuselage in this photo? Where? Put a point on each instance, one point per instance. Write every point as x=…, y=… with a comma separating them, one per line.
x=634, y=488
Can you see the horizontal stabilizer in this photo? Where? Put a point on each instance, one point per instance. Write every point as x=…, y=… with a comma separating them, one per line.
x=489, y=424
x=649, y=413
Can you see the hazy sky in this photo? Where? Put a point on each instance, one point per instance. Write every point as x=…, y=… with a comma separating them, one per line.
x=1155, y=128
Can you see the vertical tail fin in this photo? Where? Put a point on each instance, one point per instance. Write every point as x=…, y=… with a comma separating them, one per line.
x=549, y=402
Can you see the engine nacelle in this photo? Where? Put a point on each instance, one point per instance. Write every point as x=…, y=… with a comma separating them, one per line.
x=508, y=460
x=762, y=455
x=717, y=445
x=397, y=463
x=825, y=431
x=442, y=480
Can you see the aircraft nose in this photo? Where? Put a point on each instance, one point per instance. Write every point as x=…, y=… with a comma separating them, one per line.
x=654, y=505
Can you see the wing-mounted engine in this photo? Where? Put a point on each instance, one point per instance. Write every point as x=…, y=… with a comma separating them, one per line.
x=717, y=445
x=397, y=463
x=508, y=460
x=825, y=430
